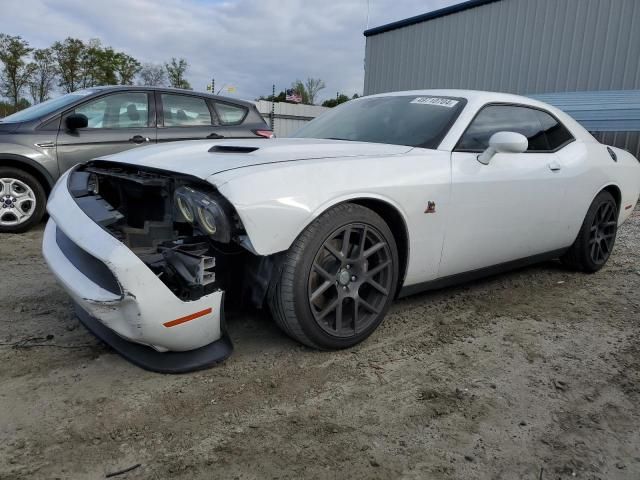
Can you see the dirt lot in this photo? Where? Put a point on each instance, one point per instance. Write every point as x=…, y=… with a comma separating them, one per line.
x=533, y=374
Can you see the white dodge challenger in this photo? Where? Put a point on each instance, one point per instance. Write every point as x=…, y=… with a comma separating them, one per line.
x=384, y=196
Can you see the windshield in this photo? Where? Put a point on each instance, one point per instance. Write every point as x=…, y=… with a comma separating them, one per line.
x=416, y=121
x=47, y=107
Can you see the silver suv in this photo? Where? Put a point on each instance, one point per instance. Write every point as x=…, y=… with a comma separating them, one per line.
x=39, y=143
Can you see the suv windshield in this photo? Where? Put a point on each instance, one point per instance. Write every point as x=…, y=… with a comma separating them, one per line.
x=412, y=120
x=47, y=107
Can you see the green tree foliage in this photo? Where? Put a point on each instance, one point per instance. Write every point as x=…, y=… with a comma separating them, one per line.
x=176, y=70
x=127, y=68
x=7, y=108
x=334, y=102
x=16, y=71
x=280, y=97
x=45, y=70
x=69, y=56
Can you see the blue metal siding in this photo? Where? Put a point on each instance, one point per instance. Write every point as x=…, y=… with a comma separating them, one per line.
x=610, y=111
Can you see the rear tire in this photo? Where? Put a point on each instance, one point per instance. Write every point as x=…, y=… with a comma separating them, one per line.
x=338, y=279
x=23, y=200
x=597, y=236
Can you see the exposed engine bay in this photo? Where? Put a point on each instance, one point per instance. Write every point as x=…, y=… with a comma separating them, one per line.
x=186, y=232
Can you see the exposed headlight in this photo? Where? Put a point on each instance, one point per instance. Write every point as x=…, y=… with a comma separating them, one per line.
x=184, y=205
x=207, y=220
x=206, y=212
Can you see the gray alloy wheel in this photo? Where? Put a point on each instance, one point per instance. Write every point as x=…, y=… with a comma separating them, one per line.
x=594, y=244
x=337, y=280
x=17, y=202
x=22, y=200
x=350, y=280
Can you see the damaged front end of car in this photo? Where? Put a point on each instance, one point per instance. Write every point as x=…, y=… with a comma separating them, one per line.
x=151, y=267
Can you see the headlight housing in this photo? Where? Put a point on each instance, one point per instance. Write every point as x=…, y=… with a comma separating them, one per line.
x=205, y=212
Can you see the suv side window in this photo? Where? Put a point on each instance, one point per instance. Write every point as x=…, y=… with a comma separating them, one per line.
x=543, y=131
x=230, y=114
x=118, y=110
x=185, y=111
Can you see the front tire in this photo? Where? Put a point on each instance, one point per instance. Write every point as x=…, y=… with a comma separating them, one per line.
x=338, y=279
x=594, y=244
x=22, y=200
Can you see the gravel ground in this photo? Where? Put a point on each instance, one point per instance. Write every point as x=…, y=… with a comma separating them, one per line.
x=533, y=374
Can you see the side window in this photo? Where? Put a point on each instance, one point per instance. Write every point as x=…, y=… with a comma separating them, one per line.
x=498, y=118
x=230, y=114
x=118, y=110
x=557, y=134
x=185, y=111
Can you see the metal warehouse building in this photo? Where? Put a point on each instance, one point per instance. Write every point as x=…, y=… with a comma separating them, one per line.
x=528, y=47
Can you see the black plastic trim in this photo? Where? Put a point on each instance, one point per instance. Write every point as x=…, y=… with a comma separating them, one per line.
x=427, y=16
x=161, y=362
x=465, y=277
x=91, y=267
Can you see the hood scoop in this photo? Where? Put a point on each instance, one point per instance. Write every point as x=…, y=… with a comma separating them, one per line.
x=232, y=149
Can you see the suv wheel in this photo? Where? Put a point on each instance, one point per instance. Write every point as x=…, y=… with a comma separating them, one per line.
x=22, y=200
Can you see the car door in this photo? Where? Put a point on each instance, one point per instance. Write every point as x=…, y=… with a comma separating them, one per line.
x=187, y=117
x=510, y=209
x=116, y=122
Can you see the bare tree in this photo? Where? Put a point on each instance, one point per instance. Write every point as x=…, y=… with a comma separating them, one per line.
x=152, y=75
x=16, y=72
x=44, y=73
x=312, y=86
x=175, y=71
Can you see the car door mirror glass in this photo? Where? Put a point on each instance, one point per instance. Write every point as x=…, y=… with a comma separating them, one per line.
x=504, y=142
x=76, y=121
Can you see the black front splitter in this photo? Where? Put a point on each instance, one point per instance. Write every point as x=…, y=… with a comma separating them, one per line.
x=152, y=360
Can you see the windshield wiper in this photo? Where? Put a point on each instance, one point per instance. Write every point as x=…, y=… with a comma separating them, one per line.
x=345, y=139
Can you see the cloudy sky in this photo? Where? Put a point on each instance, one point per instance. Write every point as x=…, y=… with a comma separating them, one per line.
x=250, y=44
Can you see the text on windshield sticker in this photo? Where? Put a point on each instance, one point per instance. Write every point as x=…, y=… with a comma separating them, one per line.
x=443, y=102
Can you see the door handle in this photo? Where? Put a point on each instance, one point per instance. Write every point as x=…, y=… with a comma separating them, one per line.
x=555, y=166
x=214, y=136
x=139, y=139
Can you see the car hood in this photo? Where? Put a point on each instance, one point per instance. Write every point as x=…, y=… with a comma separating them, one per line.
x=203, y=158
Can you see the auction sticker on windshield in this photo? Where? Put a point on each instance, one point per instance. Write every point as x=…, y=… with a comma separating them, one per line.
x=443, y=102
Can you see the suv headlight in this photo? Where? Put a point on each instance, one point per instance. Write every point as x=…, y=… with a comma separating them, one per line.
x=205, y=212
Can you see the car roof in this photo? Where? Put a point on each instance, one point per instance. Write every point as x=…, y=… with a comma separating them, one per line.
x=115, y=88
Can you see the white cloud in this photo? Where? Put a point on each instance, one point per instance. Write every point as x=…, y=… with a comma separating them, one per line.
x=250, y=44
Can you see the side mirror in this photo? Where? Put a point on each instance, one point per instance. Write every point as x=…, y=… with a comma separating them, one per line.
x=76, y=121
x=504, y=142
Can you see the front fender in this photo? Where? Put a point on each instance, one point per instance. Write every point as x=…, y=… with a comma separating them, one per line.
x=277, y=202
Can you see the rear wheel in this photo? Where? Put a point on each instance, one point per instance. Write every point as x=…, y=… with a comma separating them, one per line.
x=338, y=279
x=597, y=236
x=22, y=200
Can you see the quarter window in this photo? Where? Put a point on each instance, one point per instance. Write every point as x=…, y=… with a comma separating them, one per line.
x=185, y=111
x=230, y=114
x=543, y=132
x=118, y=110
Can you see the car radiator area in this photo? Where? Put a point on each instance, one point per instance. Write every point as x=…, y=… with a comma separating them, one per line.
x=139, y=208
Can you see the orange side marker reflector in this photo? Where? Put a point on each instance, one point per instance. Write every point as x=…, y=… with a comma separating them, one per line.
x=188, y=318
x=628, y=207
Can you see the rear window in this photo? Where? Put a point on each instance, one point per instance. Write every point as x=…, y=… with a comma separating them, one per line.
x=230, y=114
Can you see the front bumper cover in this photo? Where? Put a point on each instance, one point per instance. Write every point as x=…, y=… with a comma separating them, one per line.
x=152, y=360
x=138, y=317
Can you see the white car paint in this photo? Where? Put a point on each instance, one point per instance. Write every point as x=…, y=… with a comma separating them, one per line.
x=515, y=207
x=146, y=305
